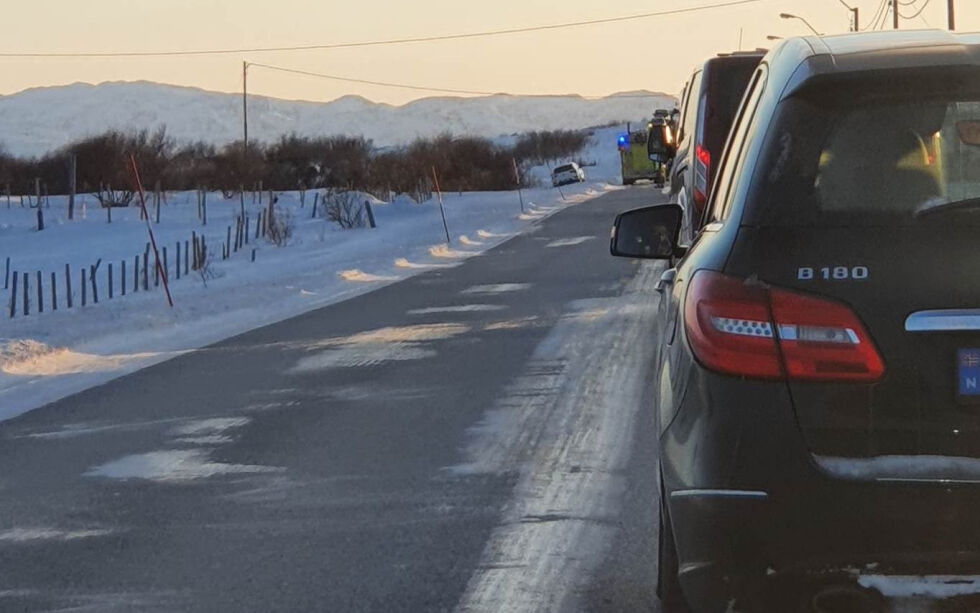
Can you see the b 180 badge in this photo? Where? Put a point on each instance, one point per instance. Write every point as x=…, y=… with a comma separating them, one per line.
x=832, y=273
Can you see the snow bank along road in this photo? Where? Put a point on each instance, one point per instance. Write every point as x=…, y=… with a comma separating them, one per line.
x=469, y=439
x=47, y=356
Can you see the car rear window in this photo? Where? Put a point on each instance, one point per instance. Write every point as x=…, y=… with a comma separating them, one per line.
x=888, y=151
x=564, y=168
x=726, y=84
x=727, y=79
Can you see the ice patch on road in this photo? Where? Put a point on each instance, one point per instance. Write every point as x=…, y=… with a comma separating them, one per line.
x=212, y=431
x=511, y=324
x=363, y=277
x=499, y=288
x=367, y=355
x=212, y=426
x=204, y=441
x=172, y=465
x=462, y=308
x=27, y=357
x=568, y=242
x=26, y=535
x=404, y=334
x=374, y=347
x=932, y=586
x=587, y=314
x=82, y=429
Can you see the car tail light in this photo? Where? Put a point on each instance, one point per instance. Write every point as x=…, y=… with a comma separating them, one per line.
x=703, y=155
x=738, y=327
x=822, y=340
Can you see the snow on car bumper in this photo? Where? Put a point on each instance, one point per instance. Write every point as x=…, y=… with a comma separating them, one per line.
x=749, y=543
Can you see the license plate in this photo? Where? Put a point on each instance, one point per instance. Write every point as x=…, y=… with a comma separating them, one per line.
x=968, y=372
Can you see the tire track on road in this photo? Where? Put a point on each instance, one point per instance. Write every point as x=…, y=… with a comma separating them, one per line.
x=566, y=428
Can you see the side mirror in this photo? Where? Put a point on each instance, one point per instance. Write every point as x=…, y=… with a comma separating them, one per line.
x=650, y=233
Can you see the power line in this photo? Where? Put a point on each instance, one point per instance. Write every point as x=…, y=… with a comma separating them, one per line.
x=873, y=24
x=877, y=16
x=443, y=90
x=375, y=43
x=884, y=16
x=925, y=3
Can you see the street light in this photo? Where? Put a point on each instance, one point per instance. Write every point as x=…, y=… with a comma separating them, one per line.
x=790, y=16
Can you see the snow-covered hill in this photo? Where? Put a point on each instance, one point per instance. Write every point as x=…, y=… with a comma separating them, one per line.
x=36, y=121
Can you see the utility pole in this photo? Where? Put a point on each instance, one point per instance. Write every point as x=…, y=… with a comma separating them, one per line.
x=855, y=27
x=72, y=184
x=245, y=111
x=895, y=13
x=952, y=15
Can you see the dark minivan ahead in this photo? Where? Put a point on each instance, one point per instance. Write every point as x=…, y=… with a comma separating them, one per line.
x=708, y=105
x=819, y=375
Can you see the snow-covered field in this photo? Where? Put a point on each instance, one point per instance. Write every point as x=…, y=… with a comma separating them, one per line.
x=46, y=356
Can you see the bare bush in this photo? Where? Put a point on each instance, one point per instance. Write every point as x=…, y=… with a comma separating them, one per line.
x=204, y=268
x=334, y=162
x=544, y=147
x=281, y=226
x=343, y=207
x=109, y=197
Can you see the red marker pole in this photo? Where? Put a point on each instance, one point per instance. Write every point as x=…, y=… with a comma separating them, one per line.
x=149, y=229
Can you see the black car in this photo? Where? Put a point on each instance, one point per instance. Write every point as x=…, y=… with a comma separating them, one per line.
x=819, y=371
x=708, y=105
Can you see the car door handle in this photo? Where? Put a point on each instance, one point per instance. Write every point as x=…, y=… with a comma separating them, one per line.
x=667, y=278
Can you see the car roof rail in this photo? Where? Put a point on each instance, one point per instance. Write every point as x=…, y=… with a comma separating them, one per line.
x=756, y=51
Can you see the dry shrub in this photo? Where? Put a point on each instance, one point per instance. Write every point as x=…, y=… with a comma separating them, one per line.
x=281, y=227
x=344, y=208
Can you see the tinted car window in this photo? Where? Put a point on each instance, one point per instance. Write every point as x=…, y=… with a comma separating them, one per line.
x=690, y=107
x=564, y=168
x=736, y=144
x=864, y=155
x=726, y=81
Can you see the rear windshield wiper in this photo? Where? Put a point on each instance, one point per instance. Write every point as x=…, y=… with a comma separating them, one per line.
x=941, y=206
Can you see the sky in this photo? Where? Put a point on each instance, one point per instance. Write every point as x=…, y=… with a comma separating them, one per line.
x=653, y=54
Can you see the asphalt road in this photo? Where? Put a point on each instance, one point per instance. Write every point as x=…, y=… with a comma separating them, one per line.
x=473, y=439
